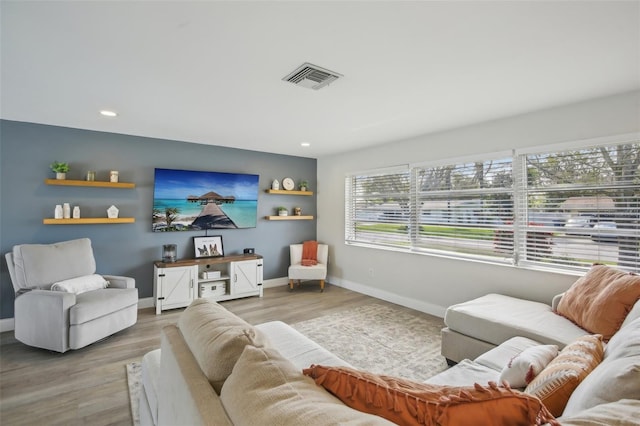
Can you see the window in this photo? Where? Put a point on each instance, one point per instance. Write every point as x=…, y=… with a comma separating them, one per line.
x=465, y=208
x=378, y=207
x=586, y=204
x=562, y=209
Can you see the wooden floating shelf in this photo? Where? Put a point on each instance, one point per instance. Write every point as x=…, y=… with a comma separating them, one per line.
x=93, y=183
x=88, y=221
x=289, y=217
x=285, y=192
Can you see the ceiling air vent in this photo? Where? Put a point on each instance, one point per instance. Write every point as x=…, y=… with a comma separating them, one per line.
x=312, y=76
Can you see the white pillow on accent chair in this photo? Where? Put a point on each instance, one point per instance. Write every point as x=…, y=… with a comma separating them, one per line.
x=522, y=368
x=81, y=284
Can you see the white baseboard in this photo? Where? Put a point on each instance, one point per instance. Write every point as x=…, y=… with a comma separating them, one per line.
x=6, y=324
x=427, y=308
x=147, y=302
x=275, y=282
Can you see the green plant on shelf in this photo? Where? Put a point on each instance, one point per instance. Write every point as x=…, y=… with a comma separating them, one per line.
x=59, y=167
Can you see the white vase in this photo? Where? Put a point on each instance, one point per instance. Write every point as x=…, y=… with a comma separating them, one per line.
x=275, y=184
x=282, y=213
x=112, y=212
x=57, y=213
x=66, y=211
x=76, y=212
x=61, y=176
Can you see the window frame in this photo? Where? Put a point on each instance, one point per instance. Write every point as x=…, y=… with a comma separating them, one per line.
x=519, y=192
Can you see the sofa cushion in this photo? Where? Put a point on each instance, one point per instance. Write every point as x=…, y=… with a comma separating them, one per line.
x=81, y=284
x=555, y=384
x=217, y=338
x=601, y=299
x=464, y=373
x=610, y=381
x=524, y=367
x=623, y=412
x=99, y=303
x=618, y=376
x=296, y=347
x=625, y=342
x=410, y=403
x=499, y=356
x=496, y=318
x=266, y=389
x=40, y=265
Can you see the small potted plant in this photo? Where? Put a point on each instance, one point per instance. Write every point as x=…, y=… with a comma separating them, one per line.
x=303, y=185
x=60, y=169
x=282, y=211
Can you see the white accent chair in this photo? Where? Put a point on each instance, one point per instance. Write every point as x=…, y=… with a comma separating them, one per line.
x=297, y=272
x=59, y=320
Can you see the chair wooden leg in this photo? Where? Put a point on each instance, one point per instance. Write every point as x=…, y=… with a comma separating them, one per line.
x=290, y=284
x=321, y=286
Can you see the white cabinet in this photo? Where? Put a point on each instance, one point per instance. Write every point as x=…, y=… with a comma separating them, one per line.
x=177, y=284
x=174, y=287
x=246, y=278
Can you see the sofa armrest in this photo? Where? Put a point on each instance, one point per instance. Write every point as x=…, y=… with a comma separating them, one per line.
x=185, y=396
x=42, y=319
x=556, y=301
x=120, y=282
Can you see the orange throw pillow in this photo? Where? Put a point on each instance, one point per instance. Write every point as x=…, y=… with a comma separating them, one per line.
x=555, y=384
x=405, y=402
x=309, y=253
x=601, y=299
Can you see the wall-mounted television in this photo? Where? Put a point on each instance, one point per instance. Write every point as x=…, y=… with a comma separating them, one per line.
x=189, y=200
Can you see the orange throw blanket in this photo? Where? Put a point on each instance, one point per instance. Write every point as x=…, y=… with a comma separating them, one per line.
x=309, y=253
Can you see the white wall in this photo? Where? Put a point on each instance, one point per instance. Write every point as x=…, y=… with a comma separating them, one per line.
x=430, y=283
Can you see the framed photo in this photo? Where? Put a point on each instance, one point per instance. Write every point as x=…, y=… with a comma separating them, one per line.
x=208, y=246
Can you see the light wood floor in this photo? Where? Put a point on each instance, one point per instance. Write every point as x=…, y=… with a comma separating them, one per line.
x=89, y=386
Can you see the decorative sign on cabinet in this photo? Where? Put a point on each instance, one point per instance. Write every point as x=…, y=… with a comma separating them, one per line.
x=177, y=284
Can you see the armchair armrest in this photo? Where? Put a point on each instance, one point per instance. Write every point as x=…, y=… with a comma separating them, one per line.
x=120, y=282
x=42, y=318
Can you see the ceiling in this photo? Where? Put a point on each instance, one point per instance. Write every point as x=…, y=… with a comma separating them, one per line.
x=211, y=72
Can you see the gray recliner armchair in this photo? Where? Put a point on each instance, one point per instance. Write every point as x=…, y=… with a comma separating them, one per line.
x=63, y=320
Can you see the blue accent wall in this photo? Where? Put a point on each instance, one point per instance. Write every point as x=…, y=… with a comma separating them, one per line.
x=27, y=149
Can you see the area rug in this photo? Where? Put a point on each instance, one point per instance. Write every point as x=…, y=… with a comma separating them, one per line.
x=378, y=338
x=381, y=339
x=134, y=373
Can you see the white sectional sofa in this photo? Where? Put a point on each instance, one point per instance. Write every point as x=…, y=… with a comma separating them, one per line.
x=479, y=325
x=204, y=377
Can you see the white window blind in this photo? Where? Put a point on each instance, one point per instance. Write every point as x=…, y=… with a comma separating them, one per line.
x=465, y=208
x=377, y=207
x=584, y=206
x=563, y=209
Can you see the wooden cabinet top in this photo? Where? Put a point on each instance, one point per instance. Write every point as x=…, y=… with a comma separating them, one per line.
x=207, y=260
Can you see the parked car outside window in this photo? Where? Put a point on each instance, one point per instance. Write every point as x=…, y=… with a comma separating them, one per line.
x=580, y=225
x=604, y=232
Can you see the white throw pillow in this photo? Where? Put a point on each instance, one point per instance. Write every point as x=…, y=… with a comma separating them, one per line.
x=81, y=284
x=522, y=368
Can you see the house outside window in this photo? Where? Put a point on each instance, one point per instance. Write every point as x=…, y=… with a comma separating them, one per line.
x=561, y=209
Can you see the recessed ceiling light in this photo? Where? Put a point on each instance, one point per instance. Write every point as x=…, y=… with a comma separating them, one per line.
x=108, y=113
x=305, y=144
